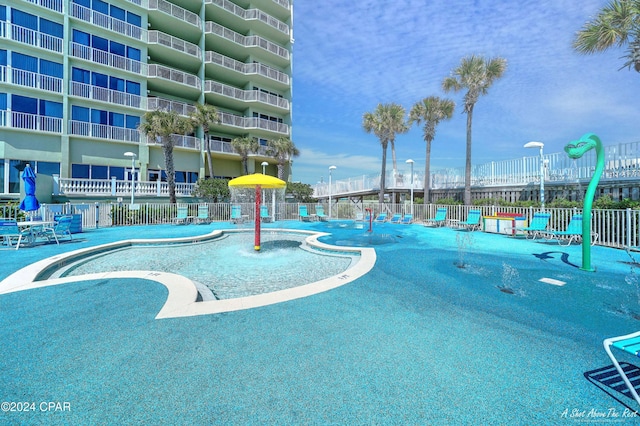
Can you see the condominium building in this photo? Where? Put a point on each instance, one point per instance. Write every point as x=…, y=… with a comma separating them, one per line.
x=76, y=77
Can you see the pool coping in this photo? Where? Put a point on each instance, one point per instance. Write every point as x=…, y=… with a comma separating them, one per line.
x=182, y=298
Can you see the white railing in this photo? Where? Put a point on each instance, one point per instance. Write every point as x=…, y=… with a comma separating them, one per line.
x=246, y=41
x=175, y=11
x=211, y=86
x=21, y=120
x=251, y=14
x=115, y=61
x=108, y=22
x=30, y=37
x=180, y=141
x=252, y=123
x=102, y=131
x=184, y=109
x=116, y=187
x=247, y=69
x=177, y=76
x=283, y=3
x=30, y=79
x=55, y=5
x=157, y=37
x=89, y=91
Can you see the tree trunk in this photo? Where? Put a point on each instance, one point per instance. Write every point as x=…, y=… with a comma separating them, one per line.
x=393, y=161
x=427, y=176
x=382, y=174
x=170, y=169
x=209, y=159
x=280, y=171
x=467, y=169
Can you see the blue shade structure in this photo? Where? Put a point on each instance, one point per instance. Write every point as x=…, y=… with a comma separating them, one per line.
x=30, y=202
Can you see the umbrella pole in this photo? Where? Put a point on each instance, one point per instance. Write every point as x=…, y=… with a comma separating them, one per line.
x=256, y=245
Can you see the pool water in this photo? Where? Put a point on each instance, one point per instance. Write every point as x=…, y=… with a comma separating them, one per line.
x=228, y=266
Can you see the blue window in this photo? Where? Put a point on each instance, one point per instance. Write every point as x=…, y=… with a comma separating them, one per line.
x=117, y=172
x=80, y=75
x=47, y=168
x=53, y=69
x=22, y=19
x=134, y=19
x=133, y=53
x=99, y=172
x=80, y=113
x=80, y=171
x=116, y=120
x=24, y=104
x=117, y=13
x=132, y=122
x=50, y=108
x=100, y=80
x=116, y=83
x=133, y=87
x=81, y=38
x=100, y=43
x=98, y=116
x=24, y=62
x=85, y=3
x=117, y=48
x=3, y=101
x=3, y=57
x=51, y=28
x=3, y=13
x=100, y=6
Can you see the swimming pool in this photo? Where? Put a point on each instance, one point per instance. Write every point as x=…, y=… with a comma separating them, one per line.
x=417, y=340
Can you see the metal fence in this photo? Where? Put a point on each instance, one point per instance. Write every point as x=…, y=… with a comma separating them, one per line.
x=615, y=228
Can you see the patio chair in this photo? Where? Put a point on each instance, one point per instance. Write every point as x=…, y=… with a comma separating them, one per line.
x=320, y=213
x=396, y=218
x=439, y=220
x=537, y=227
x=236, y=214
x=203, y=214
x=61, y=228
x=473, y=221
x=382, y=217
x=304, y=214
x=407, y=219
x=9, y=231
x=182, y=216
x=572, y=233
x=629, y=343
x=264, y=214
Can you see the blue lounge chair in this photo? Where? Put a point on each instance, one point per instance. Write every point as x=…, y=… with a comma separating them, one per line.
x=382, y=217
x=236, y=214
x=10, y=231
x=396, y=218
x=439, y=220
x=61, y=228
x=203, y=214
x=182, y=215
x=629, y=343
x=537, y=227
x=304, y=214
x=572, y=233
x=264, y=214
x=407, y=219
x=473, y=221
x=320, y=213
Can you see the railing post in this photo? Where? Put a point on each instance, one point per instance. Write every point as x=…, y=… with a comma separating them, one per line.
x=113, y=185
x=97, y=215
x=158, y=187
x=628, y=227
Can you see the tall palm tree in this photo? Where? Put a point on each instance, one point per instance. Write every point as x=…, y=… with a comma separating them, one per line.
x=159, y=125
x=432, y=111
x=475, y=74
x=385, y=122
x=617, y=24
x=282, y=149
x=244, y=146
x=205, y=115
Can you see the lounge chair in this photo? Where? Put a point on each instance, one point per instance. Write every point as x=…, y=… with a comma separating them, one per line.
x=537, y=227
x=264, y=214
x=439, y=220
x=182, y=216
x=236, y=214
x=203, y=214
x=9, y=231
x=629, y=343
x=304, y=214
x=572, y=233
x=382, y=217
x=396, y=218
x=473, y=221
x=407, y=219
x=320, y=213
x=61, y=228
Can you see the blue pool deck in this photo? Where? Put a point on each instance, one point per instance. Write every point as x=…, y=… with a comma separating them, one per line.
x=417, y=340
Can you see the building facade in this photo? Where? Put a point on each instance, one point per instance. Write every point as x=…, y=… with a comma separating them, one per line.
x=76, y=77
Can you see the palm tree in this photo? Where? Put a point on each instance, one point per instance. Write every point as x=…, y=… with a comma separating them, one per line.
x=432, y=111
x=159, y=126
x=282, y=149
x=475, y=74
x=244, y=146
x=205, y=115
x=385, y=122
x=617, y=24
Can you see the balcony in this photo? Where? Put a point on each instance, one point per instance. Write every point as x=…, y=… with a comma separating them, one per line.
x=102, y=94
x=109, y=59
x=172, y=81
x=114, y=187
x=252, y=123
x=239, y=18
x=171, y=50
x=30, y=79
x=184, y=109
x=22, y=120
x=179, y=141
x=106, y=21
x=102, y=131
x=55, y=5
x=238, y=98
x=228, y=67
x=175, y=20
x=30, y=37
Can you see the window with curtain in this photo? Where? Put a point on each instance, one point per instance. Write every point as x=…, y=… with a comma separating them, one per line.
x=85, y=3
x=99, y=172
x=80, y=113
x=134, y=19
x=133, y=53
x=133, y=87
x=51, y=28
x=132, y=121
x=23, y=19
x=100, y=6
x=117, y=48
x=50, y=108
x=81, y=38
x=99, y=116
x=3, y=57
x=100, y=80
x=3, y=101
x=117, y=13
x=116, y=119
x=53, y=69
x=80, y=75
x=100, y=43
x=116, y=83
x=24, y=104
x=80, y=171
x=116, y=172
x=24, y=62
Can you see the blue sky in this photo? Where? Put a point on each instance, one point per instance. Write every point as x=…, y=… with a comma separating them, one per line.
x=351, y=55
